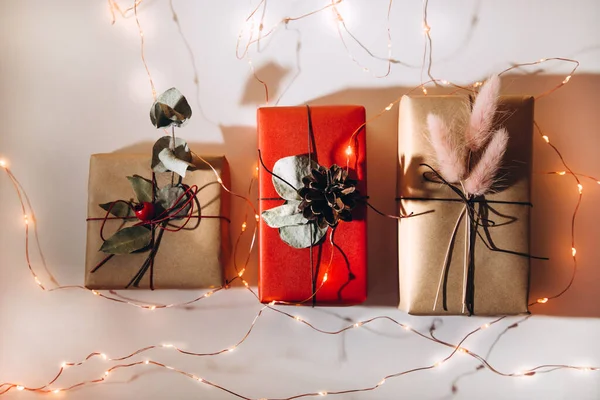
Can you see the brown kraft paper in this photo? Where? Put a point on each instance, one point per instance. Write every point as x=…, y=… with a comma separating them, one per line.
x=501, y=280
x=187, y=259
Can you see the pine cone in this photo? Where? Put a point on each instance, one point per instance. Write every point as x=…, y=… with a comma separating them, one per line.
x=328, y=196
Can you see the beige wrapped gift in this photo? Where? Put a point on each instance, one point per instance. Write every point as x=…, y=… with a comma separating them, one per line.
x=191, y=258
x=499, y=278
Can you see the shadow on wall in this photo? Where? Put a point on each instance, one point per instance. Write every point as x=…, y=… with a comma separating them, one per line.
x=566, y=117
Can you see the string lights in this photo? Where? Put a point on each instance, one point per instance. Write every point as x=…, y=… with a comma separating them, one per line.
x=29, y=220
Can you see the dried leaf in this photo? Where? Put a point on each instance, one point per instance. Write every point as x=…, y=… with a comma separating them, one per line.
x=119, y=209
x=167, y=197
x=292, y=169
x=179, y=149
x=284, y=215
x=172, y=163
x=142, y=188
x=170, y=108
x=127, y=240
x=299, y=236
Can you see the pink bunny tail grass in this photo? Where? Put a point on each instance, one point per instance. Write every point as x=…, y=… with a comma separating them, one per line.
x=482, y=176
x=450, y=156
x=479, y=128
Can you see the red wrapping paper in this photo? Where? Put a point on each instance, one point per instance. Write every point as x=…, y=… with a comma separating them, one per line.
x=285, y=272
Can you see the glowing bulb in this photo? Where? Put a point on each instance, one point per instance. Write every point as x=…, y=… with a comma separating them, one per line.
x=257, y=217
x=462, y=350
x=573, y=251
x=546, y=138
x=323, y=394
x=580, y=188
x=477, y=84
x=56, y=391
x=542, y=300
x=231, y=349
x=542, y=60
x=208, y=294
x=389, y=107
x=200, y=379
x=19, y=388
x=561, y=172
x=37, y=280
x=426, y=28
x=272, y=303
x=406, y=327
x=95, y=293
x=26, y=218
x=241, y=272
x=437, y=364
x=485, y=326
x=152, y=308
x=220, y=181
x=168, y=346
x=244, y=226
x=381, y=382
x=297, y=318
x=146, y=362
x=567, y=79
x=63, y=365
x=245, y=283
x=424, y=91
x=349, y=151
x=2, y=163
x=358, y=324
x=104, y=357
x=598, y=182
x=168, y=367
x=325, y=277
x=106, y=373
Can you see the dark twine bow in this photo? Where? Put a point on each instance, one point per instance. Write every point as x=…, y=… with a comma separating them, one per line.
x=161, y=222
x=477, y=209
x=314, y=270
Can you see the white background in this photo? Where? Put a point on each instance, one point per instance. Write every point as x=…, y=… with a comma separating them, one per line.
x=72, y=85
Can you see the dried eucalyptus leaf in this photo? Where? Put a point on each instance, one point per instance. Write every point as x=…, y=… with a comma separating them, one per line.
x=299, y=236
x=170, y=108
x=181, y=151
x=292, y=169
x=172, y=163
x=127, y=240
x=142, y=188
x=167, y=196
x=284, y=215
x=119, y=209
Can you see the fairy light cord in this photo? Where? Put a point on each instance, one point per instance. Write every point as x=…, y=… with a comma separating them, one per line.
x=341, y=23
x=456, y=348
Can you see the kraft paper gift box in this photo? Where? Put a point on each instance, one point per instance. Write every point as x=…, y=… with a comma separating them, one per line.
x=285, y=273
x=191, y=258
x=500, y=279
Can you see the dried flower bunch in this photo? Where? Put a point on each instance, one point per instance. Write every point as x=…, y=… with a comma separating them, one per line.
x=328, y=196
x=453, y=156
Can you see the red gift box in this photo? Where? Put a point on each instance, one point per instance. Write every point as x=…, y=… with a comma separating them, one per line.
x=285, y=272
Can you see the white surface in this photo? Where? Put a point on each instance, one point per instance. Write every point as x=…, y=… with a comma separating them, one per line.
x=72, y=85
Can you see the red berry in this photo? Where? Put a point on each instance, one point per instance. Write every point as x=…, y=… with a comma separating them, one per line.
x=144, y=211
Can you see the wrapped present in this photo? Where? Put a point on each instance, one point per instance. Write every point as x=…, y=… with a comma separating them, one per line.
x=468, y=253
x=172, y=236
x=312, y=183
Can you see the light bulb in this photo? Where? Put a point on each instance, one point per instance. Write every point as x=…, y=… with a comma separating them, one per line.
x=542, y=300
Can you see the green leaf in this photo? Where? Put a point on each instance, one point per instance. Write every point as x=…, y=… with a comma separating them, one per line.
x=127, y=240
x=142, y=188
x=168, y=195
x=292, y=169
x=299, y=236
x=284, y=215
x=119, y=209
